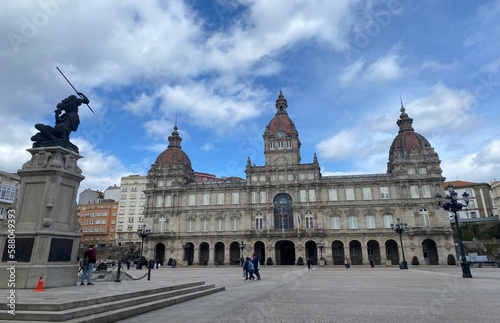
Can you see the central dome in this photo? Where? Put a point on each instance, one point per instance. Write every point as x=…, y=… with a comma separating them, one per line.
x=281, y=121
x=174, y=155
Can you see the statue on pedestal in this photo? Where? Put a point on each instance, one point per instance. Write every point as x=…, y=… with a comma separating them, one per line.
x=66, y=121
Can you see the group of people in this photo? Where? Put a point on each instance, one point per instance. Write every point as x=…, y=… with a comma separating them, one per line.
x=251, y=267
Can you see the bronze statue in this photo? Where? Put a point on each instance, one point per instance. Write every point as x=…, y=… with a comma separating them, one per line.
x=65, y=123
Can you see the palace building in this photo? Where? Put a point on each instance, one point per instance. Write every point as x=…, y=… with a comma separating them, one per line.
x=286, y=212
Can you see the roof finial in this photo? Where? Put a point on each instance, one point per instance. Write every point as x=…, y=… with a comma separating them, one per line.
x=402, y=107
x=175, y=126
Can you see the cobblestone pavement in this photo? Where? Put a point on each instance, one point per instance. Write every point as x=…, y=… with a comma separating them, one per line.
x=328, y=294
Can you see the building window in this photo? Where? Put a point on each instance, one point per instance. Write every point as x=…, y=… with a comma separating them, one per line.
x=220, y=225
x=189, y=226
x=335, y=222
x=235, y=224
x=332, y=194
x=258, y=221
x=349, y=194
x=130, y=227
x=352, y=222
x=281, y=177
x=206, y=199
x=124, y=189
x=168, y=200
x=302, y=176
x=159, y=201
x=367, y=193
x=141, y=219
x=370, y=221
x=132, y=204
x=272, y=145
x=254, y=197
x=387, y=221
x=310, y=176
x=422, y=170
x=414, y=192
x=121, y=212
x=312, y=196
x=131, y=211
x=302, y=197
x=130, y=220
x=161, y=182
x=280, y=144
x=220, y=198
x=262, y=178
x=263, y=197
x=290, y=177
x=288, y=144
x=426, y=191
x=235, y=198
x=205, y=225
x=384, y=193
x=411, y=171
x=309, y=221
x=123, y=197
x=123, y=204
x=191, y=199
x=424, y=218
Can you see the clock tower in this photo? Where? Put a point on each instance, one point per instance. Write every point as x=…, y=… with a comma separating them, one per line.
x=281, y=139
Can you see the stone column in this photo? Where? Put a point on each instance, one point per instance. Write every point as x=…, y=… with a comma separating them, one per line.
x=211, y=255
x=196, y=255
x=44, y=222
x=227, y=255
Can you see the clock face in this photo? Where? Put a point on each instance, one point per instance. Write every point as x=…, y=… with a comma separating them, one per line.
x=280, y=134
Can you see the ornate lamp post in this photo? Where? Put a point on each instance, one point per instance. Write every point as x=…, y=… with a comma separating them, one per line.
x=143, y=234
x=399, y=228
x=321, y=245
x=452, y=205
x=242, y=247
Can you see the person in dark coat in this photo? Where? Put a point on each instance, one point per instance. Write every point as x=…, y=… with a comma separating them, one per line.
x=256, y=266
x=309, y=264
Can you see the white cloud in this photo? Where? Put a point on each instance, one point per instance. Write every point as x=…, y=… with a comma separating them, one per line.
x=351, y=73
x=208, y=146
x=384, y=69
x=101, y=169
x=444, y=110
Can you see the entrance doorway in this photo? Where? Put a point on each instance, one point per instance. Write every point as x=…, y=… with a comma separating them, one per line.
x=219, y=254
x=260, y=251
x=160, y=252
x=311, y=252
x=430, y=252
x=391, y=249
x=285, y=253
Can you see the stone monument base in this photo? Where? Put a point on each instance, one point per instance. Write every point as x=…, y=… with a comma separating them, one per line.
x=26, y=276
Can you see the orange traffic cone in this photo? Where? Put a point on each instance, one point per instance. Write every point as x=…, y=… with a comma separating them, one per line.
x=39, y=287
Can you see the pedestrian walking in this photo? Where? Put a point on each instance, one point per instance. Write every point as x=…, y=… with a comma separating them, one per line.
x=347, y=263
x=309, y=264
x=89, y=260
x=256, y=266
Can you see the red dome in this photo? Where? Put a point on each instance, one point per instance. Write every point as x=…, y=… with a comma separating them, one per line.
x=173, y=156
x=281, y=122
x=409, y=141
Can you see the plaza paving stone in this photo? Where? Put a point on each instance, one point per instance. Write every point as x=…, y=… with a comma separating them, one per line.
x=420, y=294
x=333, y=294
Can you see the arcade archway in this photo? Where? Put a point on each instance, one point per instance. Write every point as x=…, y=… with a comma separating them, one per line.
x=285, y=253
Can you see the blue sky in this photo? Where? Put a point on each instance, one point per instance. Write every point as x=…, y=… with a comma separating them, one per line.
x=218, y=66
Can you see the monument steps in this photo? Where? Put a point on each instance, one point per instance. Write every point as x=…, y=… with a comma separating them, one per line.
x=110, y=308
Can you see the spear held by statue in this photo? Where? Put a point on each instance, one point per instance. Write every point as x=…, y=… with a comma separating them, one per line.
x=84, y=98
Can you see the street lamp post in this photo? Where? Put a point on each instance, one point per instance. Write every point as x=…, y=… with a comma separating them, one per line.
x=321, y=245
x=143, y=234
x=452, y=205
x=242, y=247
x=399, y=228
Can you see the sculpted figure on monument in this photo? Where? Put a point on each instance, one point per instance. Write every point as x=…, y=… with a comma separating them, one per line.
x=66, y=121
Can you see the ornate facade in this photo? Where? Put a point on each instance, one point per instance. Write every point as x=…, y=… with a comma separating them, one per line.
x=285, y=210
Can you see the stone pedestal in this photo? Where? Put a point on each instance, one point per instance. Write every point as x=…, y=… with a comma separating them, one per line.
x=46, y=228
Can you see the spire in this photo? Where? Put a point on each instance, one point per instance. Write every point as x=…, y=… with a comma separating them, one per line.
x=174, y=140
x=404, y=122
x=281, y=104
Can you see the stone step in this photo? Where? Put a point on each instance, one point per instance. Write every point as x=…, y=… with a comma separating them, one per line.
x=112, y=308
